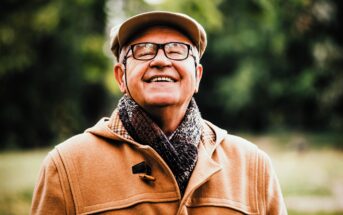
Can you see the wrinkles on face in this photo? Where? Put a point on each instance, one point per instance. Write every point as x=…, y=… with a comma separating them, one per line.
x=161, y=81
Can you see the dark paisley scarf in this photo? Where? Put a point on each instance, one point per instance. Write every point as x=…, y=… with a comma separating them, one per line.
x=179, y=151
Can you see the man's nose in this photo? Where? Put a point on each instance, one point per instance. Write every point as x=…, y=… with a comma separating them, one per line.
x=160, y=60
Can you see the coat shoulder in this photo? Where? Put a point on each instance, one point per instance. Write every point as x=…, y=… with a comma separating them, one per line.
x=84, y=144
x=232, y=143
x=239, y=143
x=244, y=147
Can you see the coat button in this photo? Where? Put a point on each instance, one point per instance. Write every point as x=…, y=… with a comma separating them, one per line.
x=145, y=177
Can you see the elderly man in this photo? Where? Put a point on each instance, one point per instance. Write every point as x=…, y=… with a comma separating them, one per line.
x=155, y=154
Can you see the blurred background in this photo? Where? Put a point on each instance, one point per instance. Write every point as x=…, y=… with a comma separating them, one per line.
x=273, y=73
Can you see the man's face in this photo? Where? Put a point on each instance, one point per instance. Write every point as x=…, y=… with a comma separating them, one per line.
x=161, y=81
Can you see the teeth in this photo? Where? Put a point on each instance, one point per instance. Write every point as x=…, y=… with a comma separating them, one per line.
x=161, y=79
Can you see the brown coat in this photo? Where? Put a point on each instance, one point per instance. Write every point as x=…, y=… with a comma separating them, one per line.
x=92, y=173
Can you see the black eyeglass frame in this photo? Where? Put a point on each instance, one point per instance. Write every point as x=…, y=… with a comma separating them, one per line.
x=159, y=46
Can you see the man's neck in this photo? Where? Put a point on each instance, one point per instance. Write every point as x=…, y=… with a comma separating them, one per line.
x=167, y=118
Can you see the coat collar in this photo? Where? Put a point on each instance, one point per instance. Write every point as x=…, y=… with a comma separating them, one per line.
x=206, y=166
x=112, y=128
x=211, y=137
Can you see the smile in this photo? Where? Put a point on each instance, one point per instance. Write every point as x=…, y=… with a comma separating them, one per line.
x=161, y=79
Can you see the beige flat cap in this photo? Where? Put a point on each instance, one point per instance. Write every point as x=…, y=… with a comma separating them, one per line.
x=121, y=34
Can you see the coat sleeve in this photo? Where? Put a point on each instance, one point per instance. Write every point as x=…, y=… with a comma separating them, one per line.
x=49, y=194
x=272, y=195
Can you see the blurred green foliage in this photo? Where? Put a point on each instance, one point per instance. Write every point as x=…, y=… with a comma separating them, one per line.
x=288, y=83
x=270, y=64
x=51, y=69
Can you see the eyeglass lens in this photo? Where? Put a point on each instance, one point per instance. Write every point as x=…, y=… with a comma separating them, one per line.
x=173, y=50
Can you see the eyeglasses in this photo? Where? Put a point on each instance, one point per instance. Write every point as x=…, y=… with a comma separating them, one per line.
x=148, y=51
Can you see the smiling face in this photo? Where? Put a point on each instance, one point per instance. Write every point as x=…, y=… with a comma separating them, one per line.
x=159, y=82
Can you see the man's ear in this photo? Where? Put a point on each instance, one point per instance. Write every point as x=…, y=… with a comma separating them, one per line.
x=198, y=77
x=119, y=74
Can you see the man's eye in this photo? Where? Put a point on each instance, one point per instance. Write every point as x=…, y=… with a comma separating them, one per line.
x=144, y=52
x=175, y=52
x=176, y=48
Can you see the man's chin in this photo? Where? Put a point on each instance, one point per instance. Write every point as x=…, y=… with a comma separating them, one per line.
x=162, y=101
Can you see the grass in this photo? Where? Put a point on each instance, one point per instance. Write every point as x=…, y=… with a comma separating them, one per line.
x=309, y=173
x=291, y=212
x=305, y=163
x=18, y=173
x=309, y=167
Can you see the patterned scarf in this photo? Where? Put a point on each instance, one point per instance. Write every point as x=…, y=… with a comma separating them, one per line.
x=180, y=151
